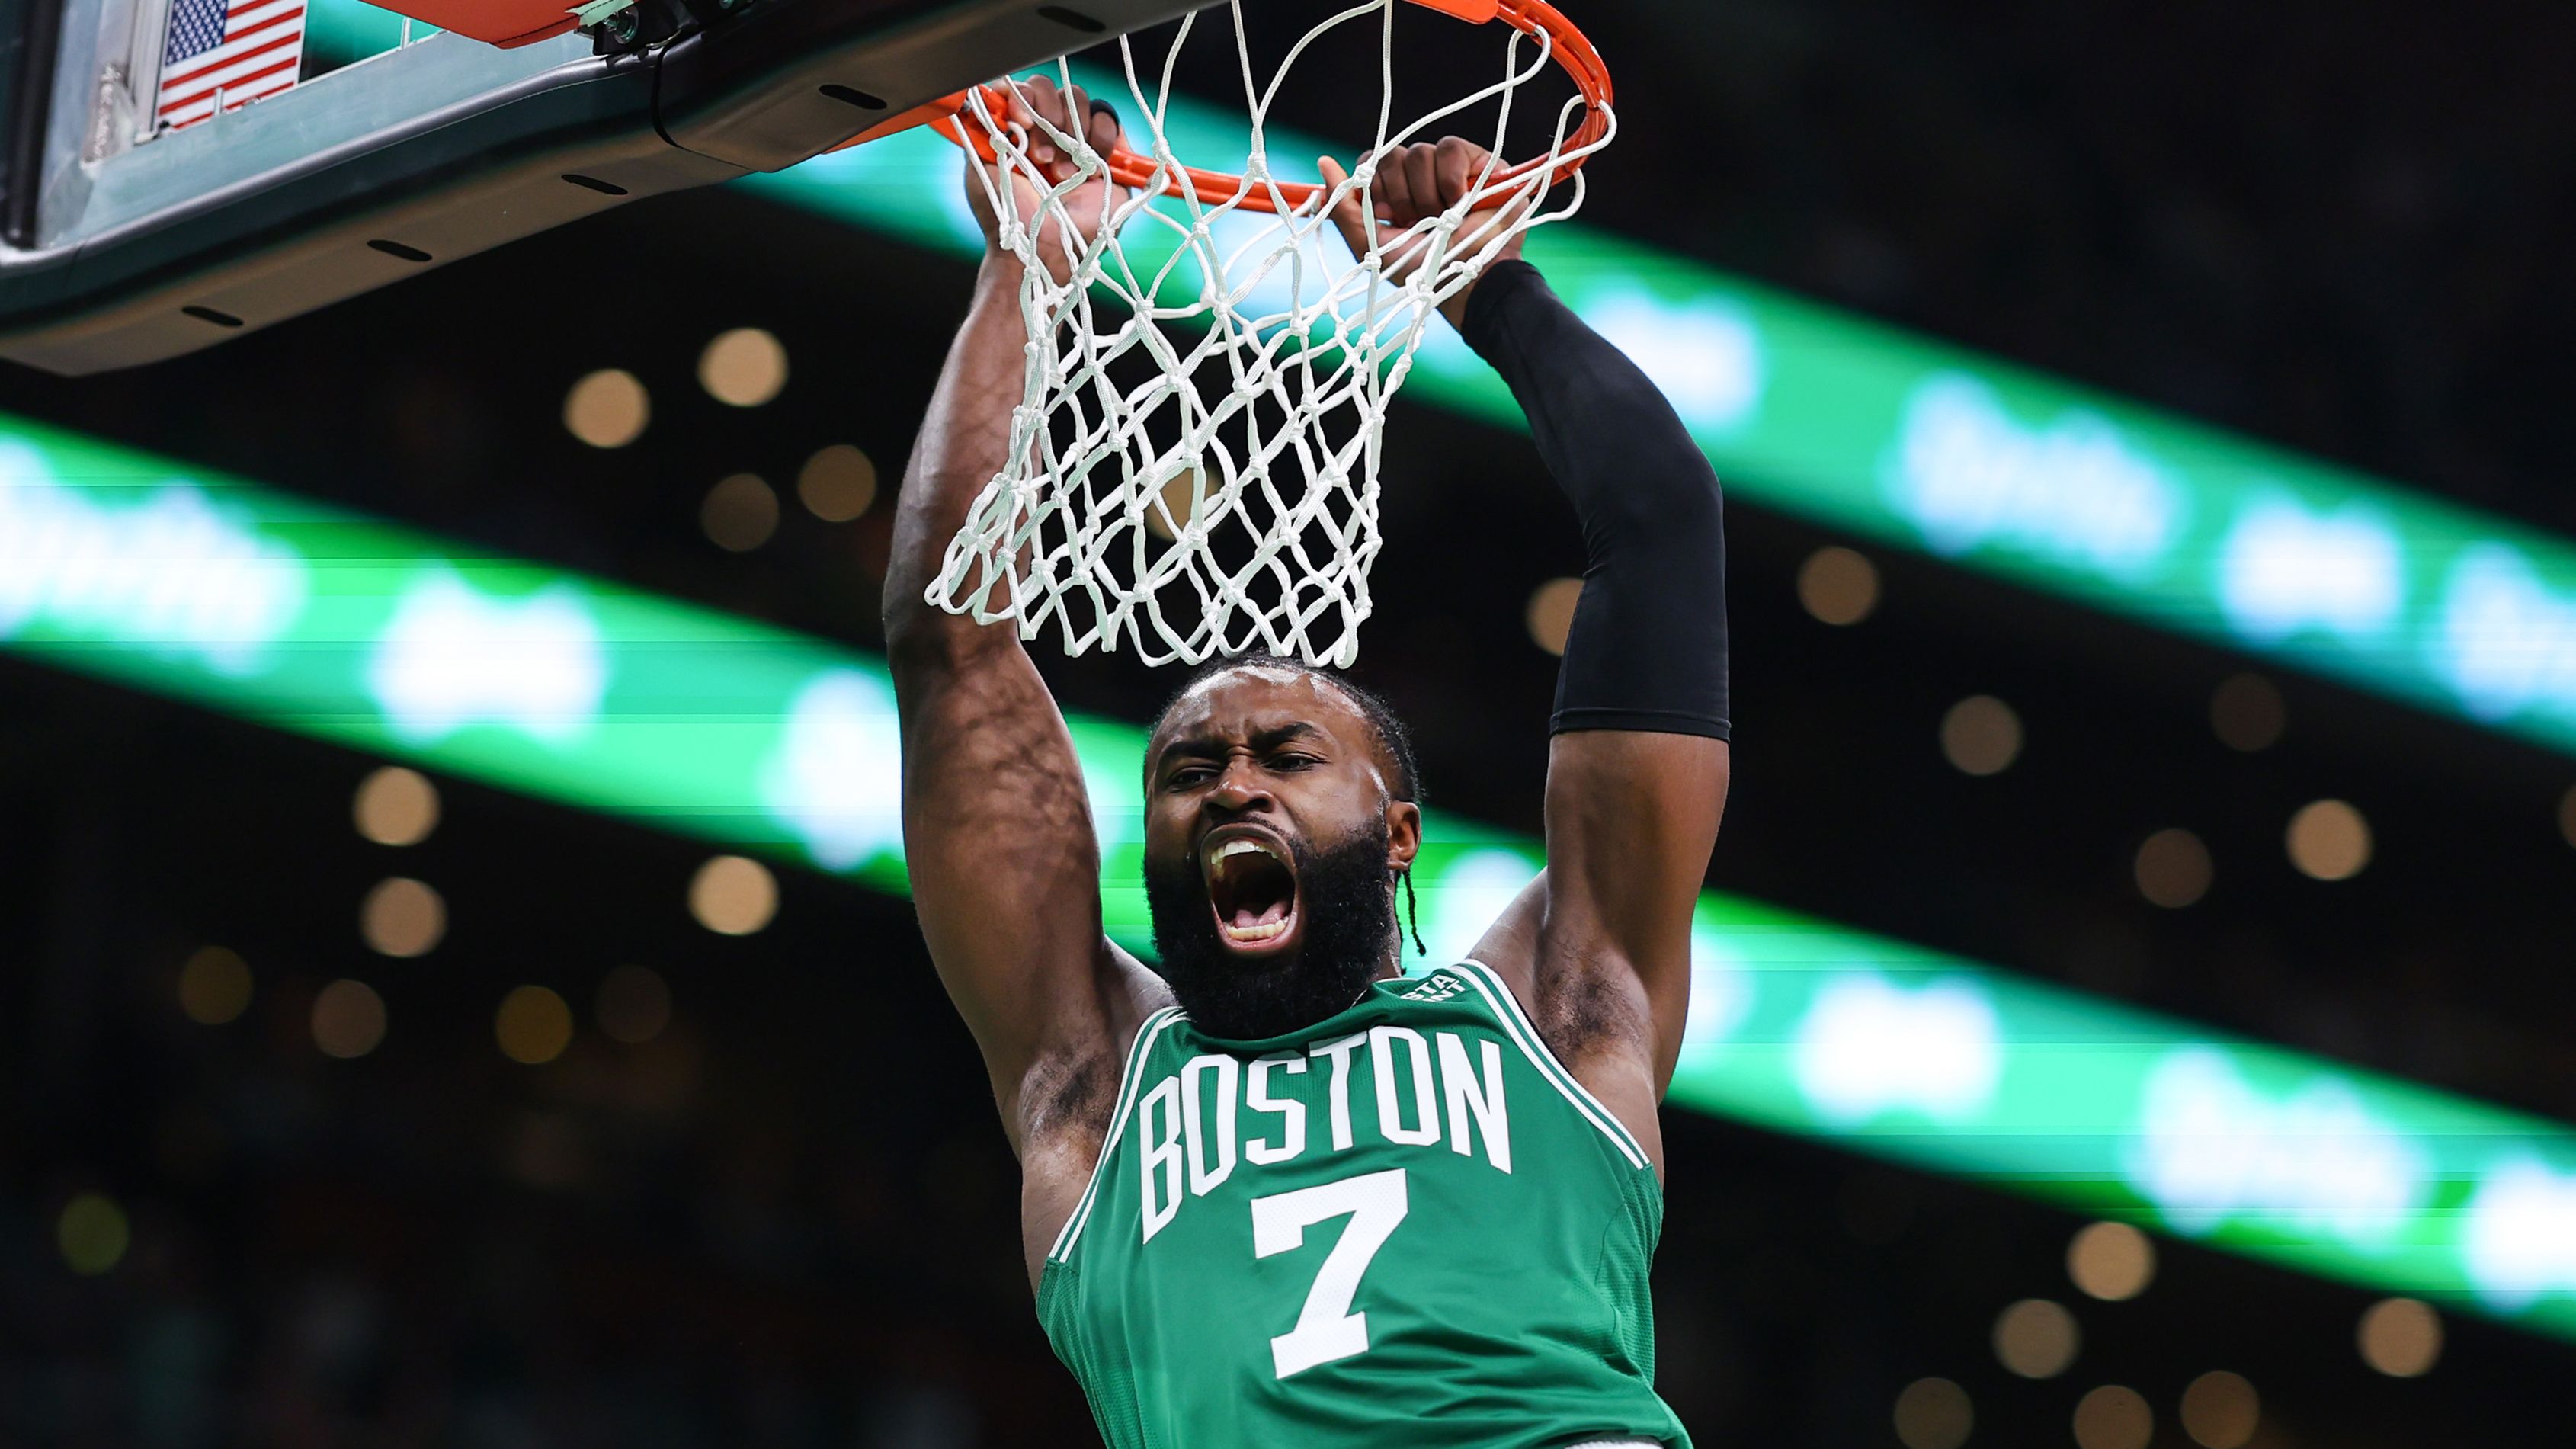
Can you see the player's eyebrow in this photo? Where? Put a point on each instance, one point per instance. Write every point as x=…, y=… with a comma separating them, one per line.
x=1208, y=745
x=1199, y=747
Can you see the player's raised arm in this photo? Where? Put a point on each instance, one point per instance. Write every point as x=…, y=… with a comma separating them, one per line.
x=1637, y=769
x=997, y=827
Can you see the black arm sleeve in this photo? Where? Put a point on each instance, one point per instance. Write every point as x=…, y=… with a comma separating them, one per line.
x=1648, y=647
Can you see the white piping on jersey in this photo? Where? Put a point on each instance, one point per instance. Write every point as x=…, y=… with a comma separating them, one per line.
x=1516, y=1024
x=1152, y=1027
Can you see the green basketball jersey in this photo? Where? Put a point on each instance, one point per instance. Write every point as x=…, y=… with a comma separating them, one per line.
x=1405, y=1225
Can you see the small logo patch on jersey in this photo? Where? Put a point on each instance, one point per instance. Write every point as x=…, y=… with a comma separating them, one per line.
x=1438, y=986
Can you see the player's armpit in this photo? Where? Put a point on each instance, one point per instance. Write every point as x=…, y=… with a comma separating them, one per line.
x=1598, y=946
x=1631, y=818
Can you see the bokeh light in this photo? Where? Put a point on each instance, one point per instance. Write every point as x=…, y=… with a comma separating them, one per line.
x=348, y=1019
x=2036, y=1338
x=2328, y=840
x=1933, y=1414
x=2220, y=1410
x=2111, y=1261
x=403, y=917
x=214, y=986
x=837, y=484
x=1181, y=494
x=634, y=1004
x=1838, y=585
x=2401, y=1337
x=2114, y=1417
x=608, y=408
x=740, y=513
x=92, y=1234
x=533, y=1025
x=1981, y=735
x=733, y=895
x=1550, y=615
x=2247, y=713
x=395, y=806
x=2173, y=869
x=743, y=368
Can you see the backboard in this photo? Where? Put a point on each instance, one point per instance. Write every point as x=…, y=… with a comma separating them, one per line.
x=163, y=188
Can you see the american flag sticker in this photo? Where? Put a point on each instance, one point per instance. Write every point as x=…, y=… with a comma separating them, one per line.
x=227, y=52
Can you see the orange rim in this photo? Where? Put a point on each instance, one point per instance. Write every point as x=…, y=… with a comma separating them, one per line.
x=1566, y=44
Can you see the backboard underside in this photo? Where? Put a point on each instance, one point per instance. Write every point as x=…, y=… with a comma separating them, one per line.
x=121, y=254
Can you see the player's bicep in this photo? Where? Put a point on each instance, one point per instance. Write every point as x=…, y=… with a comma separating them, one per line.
x=1631, y=818
x=1005, y=867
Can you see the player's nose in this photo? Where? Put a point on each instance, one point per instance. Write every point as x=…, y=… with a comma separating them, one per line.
x=1241, y=788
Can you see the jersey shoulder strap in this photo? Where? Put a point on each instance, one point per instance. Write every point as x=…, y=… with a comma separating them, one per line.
x=1524, y=1034
x=1138, y=1052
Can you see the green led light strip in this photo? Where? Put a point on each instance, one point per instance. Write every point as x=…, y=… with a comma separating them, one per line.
x=1873, y=430
x=329, y=624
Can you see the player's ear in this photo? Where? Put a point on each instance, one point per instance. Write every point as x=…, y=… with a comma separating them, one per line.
x=1403, y=833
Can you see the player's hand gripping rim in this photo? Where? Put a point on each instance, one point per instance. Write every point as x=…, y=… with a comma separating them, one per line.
x=1412, y=185
x=1040, y=119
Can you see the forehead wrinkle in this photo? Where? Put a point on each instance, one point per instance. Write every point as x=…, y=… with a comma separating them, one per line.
x=1295, y=729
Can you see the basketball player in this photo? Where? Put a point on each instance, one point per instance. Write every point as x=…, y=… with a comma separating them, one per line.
x=1276, y=1192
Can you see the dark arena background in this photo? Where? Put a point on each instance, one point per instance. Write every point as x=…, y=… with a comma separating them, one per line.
x=2200, y=921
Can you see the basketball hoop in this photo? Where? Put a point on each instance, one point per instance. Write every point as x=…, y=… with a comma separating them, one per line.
x=1216, y=494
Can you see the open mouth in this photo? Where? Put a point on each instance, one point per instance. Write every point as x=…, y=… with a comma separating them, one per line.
x=1253, y=889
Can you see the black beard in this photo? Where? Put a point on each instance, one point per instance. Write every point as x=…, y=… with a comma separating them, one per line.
x=1347, y=899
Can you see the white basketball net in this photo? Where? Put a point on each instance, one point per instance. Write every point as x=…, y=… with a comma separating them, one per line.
x=1194, y=462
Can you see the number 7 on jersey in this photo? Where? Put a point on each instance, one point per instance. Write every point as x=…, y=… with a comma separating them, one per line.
x=1326, y=1328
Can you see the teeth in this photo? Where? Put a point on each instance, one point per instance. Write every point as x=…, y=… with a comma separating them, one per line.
x=1246, y=935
